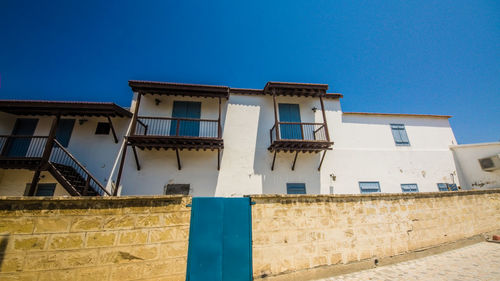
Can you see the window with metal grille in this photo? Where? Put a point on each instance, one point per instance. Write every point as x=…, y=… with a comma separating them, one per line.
x=171, y=189
x=296, y=188
x=399, y=134
x=443, y=187
x=102, y=128
x=369, y=186
x=409, y=187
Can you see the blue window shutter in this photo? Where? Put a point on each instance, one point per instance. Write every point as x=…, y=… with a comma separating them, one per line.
x=442, y=186
x=289, y=113
x=296, y=188
x=369, y=187
x=409, y=187
x=186, y=109
x=64, y=130
x=399, y=134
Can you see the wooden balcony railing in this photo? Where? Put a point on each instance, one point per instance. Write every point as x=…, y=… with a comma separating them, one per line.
x=12, y=146
x=299, y=131
x=178, y=127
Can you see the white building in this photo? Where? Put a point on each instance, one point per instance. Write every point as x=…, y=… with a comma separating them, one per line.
x=221, y=141
x=361, y=152
x=478, y=165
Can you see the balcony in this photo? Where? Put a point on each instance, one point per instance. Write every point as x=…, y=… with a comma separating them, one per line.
x=295, y=136
x=21, y=152
x=176, y=133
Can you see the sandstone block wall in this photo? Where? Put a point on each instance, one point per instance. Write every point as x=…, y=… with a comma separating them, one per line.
x=125, y=238
x=294, y=233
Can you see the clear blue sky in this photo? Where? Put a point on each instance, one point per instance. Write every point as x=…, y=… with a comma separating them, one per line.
x=437, y=57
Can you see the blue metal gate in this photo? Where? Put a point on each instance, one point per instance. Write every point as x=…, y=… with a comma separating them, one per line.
x=220, y=240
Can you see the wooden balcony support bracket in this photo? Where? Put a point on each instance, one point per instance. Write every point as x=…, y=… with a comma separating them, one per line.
x=274, y=159
x=112, y=129
x=295, y=160
x=218, y=159
x=321, y=162
x=136, y=158
x=178, y=159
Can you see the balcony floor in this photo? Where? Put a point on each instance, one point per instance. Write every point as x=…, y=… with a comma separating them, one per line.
x=170, y=142
x=300, y=145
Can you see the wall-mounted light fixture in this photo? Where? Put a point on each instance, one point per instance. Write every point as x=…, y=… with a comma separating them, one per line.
x=333, y=177
x=81, y=121
x=157, y=101
x=314, y=109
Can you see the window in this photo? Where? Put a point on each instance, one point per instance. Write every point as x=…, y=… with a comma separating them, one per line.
x=295, y=188
x=443, y=187
x=45, y=189
x=102, y=128
x=409, y=187
x=369, y=187
x=399, y=134
x=171, y=189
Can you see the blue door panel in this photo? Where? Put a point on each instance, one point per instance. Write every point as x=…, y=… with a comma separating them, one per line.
x=220, y=240
x=64, y=130
x=237, y=255
x=18, y=147
x=186, y=109
x=289, y=113
x=205, y=244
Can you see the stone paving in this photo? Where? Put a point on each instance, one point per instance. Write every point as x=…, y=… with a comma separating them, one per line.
x=475, y=262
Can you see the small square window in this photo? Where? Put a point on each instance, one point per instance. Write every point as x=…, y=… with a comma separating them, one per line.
x=296, y=188
x=173, y=189
x=369, y=187
x=409, y=187
x=102, y=128
x=443, y=187
x=399, y=134
x=45, y=189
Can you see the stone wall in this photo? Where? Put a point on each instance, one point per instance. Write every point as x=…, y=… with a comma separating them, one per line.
x=300, y=233
x=127, y=238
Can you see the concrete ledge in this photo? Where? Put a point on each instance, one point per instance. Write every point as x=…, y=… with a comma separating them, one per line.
x=339, y=269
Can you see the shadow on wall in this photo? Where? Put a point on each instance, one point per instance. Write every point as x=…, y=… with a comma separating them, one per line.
x=3, y=247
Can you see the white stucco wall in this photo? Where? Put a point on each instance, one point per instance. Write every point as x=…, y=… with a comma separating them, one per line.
x=469, y=171
x=13, y=182
x=365, y=150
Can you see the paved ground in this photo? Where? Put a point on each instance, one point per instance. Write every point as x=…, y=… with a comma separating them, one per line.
x=476, y=262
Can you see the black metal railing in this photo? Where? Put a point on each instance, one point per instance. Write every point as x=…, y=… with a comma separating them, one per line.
x=177, y=127
x=299, y=131
x=13, y=146
x=64, y=160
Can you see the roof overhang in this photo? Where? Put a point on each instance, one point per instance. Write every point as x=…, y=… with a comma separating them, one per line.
x=295, y=89
x=63, y=108
x=178, y=89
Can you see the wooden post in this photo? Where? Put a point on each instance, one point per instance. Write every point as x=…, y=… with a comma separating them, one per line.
x=34, y=183
x=50, y=142
x=274, y=159
x=324, y=118
x=276, y=116
x=218, y=159
x=112, y=129
x=178, y=159
x=219, y=129
x=136, y=111
x=120, y=170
